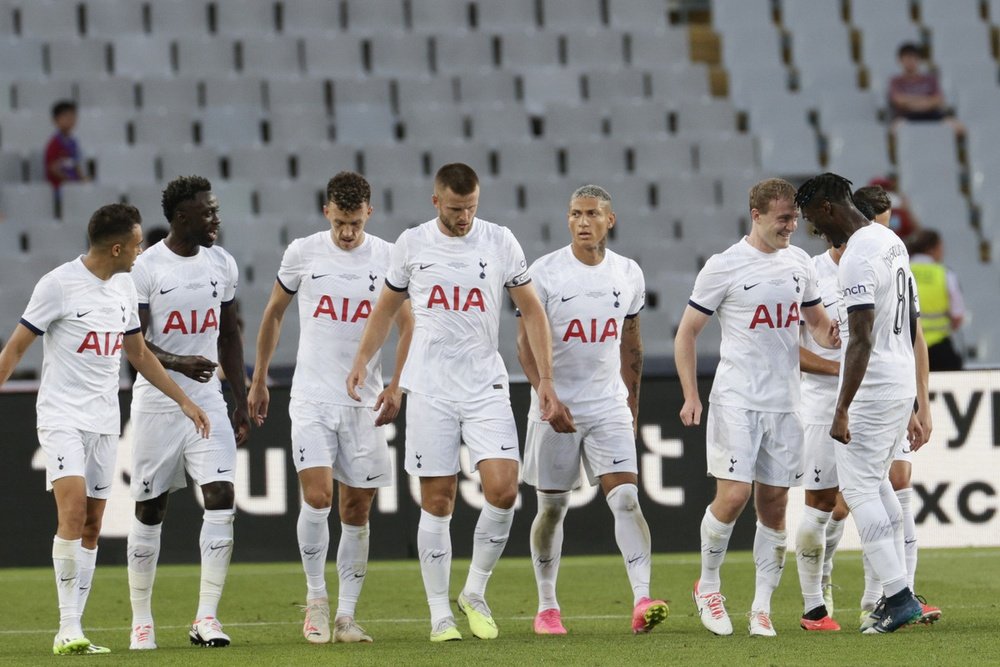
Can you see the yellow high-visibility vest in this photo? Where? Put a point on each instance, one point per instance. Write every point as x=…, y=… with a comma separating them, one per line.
x=932, y=289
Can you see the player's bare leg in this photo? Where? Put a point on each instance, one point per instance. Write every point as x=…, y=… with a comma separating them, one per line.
x=810, y=554
x=437, y=502
x=352, y=560
x=499, y=480
x=313, y=531
x=632, y=535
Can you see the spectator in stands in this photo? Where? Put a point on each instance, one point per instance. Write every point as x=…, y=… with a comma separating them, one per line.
x=942, y=307
x=62, y=154
x=915, y=95
x=902, y=219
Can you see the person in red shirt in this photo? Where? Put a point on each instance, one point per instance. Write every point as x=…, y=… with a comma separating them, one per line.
x=915, y=94
x=63, y=161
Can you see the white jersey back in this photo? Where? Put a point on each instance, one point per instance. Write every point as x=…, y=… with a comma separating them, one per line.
x=587, y=307
x=456, y=286
x=337, y=290
x=185, y=297
x=84, y=320
x=758, y=297
x=875, y=273
x=819, y=392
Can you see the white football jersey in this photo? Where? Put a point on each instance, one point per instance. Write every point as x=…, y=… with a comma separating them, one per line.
x=587, y=307
x=759, y=297
x=456, y=287
x=875, y=273
x=83, y=321
x=185, y=297
x=819, y=392
x=337, y=290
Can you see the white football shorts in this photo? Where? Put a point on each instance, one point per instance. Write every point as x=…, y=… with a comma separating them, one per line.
x=70, y=452
x=437, y=427
x=748, y=445
x=604, y=444
x=819, y=458
x=166, y=444
x=877, y=430
x=341, y=437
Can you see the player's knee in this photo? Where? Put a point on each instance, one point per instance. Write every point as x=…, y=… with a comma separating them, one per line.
x=318, y=498
x=821, y=501
x=624, y=498
x=218, y=495
x=504, y=498
x=354, y=510
x=733, y=498
x=899, y=477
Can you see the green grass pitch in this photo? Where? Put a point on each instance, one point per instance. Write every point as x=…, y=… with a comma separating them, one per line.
x=260, y=612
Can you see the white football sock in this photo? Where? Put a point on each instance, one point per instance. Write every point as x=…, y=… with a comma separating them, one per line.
x=810, y=545
x=142, y=553
x=313, y=532
x=546, y=545
x=895, y=513
x=64, y=561
x=632, y=536
x=714, y=543
x=769, y=558
x=490, y=538
x=434, y=548
x=834, y=531
x=352, y=565
x=873, y=587
x=86, y=564
x=216, y=543
x=877, y=539
x=905, y=497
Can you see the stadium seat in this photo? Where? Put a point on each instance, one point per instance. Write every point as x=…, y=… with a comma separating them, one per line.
x=293, y=93
x=879, y=13
x=595, y=49
x=140, y=56
x=657, y=49
x=400, y=55
x=841, y=106
x=489, y=89
x=205, y=56
x=339, y=56
x=178, y=94
x=250, y=18
x=34, y=94
x=441, y=16
x=116, y=93
x=781, y=108
x=430, y=124
x=527, y=51
x=461, y=52
x=925, y=143
x=69, y=59
x=639, y=15
x=259, y=164
x=545, y=85
x=672, y=83
x=183, y=160
x=933, y=14
x=727, y=153
x=663, y=155
x=162, y=127
x=381, y=17
x=741, y=46
x=297, y=127
x=362, y=124
x=270, y=56
x=527, y=159
x=954, y=45
x=598, y=160
x=750, y=15
x=817, y=46
x=108, y=126
x=704, y=115
x=49, y=19
x=506, y=16
x=12, y=167
x=235, y=201
x=394, y=162
x=308, y=17
x=178, y=18
x=27, y=201
x=830, y=82
x=230, y=127
x=789, y=150
x=282, y=199
x=148, y=198
x=734, y=189
x=474, y=154
x=121, y=166
x=547, y=197
x=857, y=150
x=241, y=92
x=78, y=201
x=501, y=124
x=317, y=164
x=375, y=91
x=111, y=18
x=21, y=132
x=686, y=193
x=21, y=58
x=752, y=85
x=796, y=14
x=570, y=122
x=571, y=15
x=417, y=94
x=622, y=85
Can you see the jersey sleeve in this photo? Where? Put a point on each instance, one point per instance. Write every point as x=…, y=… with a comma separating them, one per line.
x=133, y=326
x=142, y=281
x=397, y=275
x=232, y=281
x=639, y=285
x=711, y=286
x=290, y=272
x=810, y=291
x=857, y=281
x=516, y=271
x=45, y=305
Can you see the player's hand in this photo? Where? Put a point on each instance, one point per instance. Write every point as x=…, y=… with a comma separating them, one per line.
x=839, y=430
x=258, y=399
x=924, y=417
x=198, y=416
x=562, y=420
x=355, y=379
x=833, y=333
x=197, y=368
x=388, y=404
x=691, y=412
x=241, y=425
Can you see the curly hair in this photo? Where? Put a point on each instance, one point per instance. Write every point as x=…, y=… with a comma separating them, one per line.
x=349, y=191
x=182, y=189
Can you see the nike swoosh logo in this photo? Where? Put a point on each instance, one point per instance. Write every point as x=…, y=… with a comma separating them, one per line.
x=908, y=541
x=165, y=291
x=746, y=287
x=216, y=548
x=567, y=298
x=371, y=477
x=907, y=451
x=220, y=470
x=505, y=449
x=798, y=475
x=360, y=576
x=544, y=561
x=66, y=578
x=311, y=553
x=827, y=305
x=426, y=266
x=439, y=555
x=101, y=488
x=86, y=312
x=632, y=560
x=615, y=462
x=322, y=275
x=716, y=551
x=498, y=541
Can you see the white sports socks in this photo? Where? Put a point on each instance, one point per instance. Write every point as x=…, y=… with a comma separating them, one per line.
x=876, y=530
x=769, y=557
x=834, y=531
x=810, y=544
x=86, y=563
x=434, y=548
x=714, y=542
x=313, y=533
x=488, y=543
x=546, y=545
x=142, y=552
x=632, y=536
x=67, y=570
x=905, y=497
x=216, y=542
x=352, y=565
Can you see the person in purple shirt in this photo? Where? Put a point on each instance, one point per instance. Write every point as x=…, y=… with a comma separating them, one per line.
x=63, y=161
x=915, y=94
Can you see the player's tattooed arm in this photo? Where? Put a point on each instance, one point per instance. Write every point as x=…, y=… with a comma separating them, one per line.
x=631, y=370
x=195, y=367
